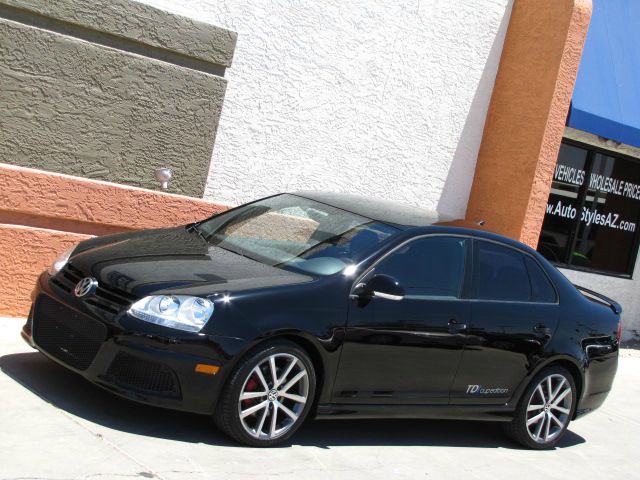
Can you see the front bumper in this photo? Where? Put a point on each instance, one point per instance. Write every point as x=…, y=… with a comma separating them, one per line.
x=138, y=364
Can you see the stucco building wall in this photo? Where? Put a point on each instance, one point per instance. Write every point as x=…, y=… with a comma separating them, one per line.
x=383, y=98
x=110, y=90
x=386, y=98
x=527, y=115
x=43, y=213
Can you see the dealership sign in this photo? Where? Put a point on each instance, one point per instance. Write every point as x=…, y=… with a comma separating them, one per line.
x=593, y=211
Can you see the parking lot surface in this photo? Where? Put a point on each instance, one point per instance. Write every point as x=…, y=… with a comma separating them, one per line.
x=55, y=425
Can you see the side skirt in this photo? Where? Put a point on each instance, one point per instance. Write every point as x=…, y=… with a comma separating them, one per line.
x=496, y=413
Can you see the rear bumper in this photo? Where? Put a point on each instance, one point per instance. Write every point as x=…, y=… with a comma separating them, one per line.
x=144, y=367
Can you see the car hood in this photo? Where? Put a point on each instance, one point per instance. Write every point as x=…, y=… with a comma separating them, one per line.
x=173, y=260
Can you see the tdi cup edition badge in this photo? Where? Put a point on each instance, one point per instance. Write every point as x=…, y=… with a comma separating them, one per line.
x=480, y=390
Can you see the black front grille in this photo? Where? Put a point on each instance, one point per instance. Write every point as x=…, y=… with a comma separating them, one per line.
x=106, y=299
x=67, y=335
x=136, y=373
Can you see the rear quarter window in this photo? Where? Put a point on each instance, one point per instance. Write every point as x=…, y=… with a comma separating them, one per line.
x=542, y=290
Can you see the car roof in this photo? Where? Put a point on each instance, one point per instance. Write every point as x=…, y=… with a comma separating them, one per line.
x=385, y=211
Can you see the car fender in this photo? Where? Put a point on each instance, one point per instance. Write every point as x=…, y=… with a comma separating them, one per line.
x=576, y=362
x=323, y=352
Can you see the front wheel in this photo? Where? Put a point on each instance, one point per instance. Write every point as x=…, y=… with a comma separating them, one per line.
x=545, y=410
x=268, y=395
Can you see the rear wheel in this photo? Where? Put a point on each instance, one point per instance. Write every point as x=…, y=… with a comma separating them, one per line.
x=268, y=395
x=545, y=410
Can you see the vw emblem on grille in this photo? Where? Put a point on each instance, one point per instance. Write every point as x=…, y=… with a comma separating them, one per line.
x=85, y=287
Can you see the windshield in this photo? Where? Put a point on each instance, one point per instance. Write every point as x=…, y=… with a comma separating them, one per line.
x=288, y=231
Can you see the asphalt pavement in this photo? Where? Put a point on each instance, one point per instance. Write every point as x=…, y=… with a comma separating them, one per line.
x=55, y=425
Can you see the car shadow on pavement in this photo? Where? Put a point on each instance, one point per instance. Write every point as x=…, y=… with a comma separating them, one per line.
x=75, y=395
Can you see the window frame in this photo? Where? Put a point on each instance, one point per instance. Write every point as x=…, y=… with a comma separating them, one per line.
x=475, y=270
x=466, y=277
x=582, y=198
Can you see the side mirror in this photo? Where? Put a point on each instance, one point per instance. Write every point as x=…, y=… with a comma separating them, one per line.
x=381, y=286
x=385, y=286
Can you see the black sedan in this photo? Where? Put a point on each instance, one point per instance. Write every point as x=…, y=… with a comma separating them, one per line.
x=329, y=306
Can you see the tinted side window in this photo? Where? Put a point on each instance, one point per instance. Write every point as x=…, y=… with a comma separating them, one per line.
x=501, y=274
x=430, y=266
x=541, y=289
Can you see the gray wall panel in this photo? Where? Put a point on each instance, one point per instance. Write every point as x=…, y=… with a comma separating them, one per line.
x=94, y=109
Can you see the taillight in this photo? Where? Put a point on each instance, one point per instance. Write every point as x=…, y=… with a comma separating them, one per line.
x=619, y=332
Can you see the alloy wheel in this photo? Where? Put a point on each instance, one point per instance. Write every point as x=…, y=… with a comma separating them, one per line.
x=549, y=408
x=273, y=396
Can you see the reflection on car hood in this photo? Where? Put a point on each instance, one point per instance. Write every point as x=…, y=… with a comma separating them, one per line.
x=173, y=260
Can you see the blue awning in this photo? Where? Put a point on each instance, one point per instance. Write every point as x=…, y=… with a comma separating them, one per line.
x=606, y=98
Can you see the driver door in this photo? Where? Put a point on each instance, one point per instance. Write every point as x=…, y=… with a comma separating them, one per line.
x=407, y=351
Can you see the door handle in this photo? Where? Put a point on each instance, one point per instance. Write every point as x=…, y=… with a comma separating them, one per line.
x=455, y=326
x=542, y=328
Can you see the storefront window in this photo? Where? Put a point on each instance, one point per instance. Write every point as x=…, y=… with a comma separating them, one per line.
x=593, y=211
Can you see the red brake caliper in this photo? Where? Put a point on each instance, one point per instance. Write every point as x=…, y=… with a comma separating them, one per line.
x=251, y=386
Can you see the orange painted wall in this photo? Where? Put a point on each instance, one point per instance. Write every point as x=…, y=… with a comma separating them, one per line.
x=44, y=213
x=26, y=251
x=527, y=115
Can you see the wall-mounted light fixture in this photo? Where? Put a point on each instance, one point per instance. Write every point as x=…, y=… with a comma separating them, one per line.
x=164, y=175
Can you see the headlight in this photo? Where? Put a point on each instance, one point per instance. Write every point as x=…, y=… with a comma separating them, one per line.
x=183, y=312
x=61, y=261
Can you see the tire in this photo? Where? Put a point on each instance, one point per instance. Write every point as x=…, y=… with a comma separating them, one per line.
x=250, y=420
x=553, y=415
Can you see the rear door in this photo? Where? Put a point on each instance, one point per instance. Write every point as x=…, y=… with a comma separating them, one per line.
x=514, y=312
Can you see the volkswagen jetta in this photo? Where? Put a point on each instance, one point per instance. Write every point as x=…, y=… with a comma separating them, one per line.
x=332, y=306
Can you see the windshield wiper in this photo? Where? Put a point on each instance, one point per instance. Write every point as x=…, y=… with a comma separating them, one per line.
x=194, y=228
